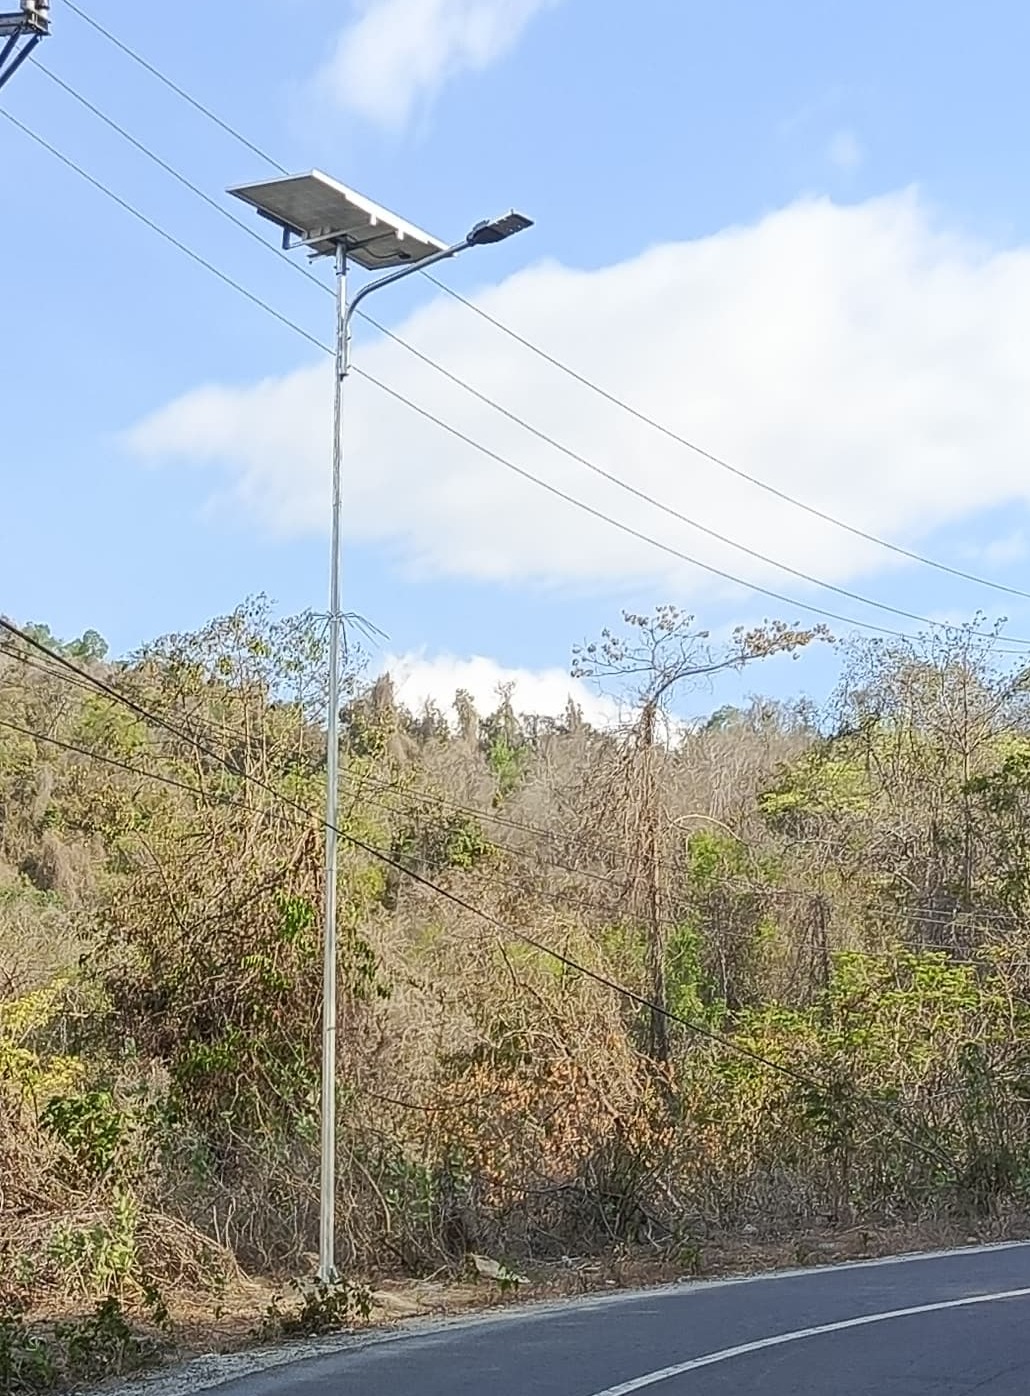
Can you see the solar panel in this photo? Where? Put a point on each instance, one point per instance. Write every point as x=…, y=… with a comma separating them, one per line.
x=320, y=211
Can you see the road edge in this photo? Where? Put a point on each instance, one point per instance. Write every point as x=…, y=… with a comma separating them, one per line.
x=212, y=1370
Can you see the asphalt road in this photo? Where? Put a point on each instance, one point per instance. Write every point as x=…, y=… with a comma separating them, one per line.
x=943, y=1325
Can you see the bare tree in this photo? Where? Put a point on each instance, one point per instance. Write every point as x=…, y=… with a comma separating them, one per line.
x=657, y=656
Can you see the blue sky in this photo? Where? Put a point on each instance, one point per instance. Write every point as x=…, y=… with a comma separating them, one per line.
x=796, y=235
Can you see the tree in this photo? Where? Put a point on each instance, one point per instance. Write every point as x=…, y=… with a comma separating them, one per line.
x=658, y=656
x=90, y=646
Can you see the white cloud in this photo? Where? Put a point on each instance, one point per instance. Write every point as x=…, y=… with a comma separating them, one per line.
x=858, y=357
x=396, y=54
x=543, y=692
x=845, y=150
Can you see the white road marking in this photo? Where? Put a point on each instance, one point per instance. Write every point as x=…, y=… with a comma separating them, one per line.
x=778, y=1339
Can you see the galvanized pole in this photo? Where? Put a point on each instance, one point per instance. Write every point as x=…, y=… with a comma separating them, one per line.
x=344, y=315
x=327, y=1184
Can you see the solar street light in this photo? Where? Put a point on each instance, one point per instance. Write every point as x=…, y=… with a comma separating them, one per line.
x=327, y=218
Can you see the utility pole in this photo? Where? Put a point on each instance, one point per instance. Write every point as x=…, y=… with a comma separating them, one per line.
x=20, y=31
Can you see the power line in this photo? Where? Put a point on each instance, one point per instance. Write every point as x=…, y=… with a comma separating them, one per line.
x=174, y=87
x=198, y=793
x=483, y=397
x=467, y=387
x=720, y=461
x=568, y=962
x=701, y=1030
x=177, y=175
x=414, y=800
x=527, y=426
x=565, y=960
x=476, y=445
x=427, y=883
x=620, y=990
x=649, y=498
x=162, y=232
x=74, y=676
x=446, y=373
x=667, y=547
x=580, y=378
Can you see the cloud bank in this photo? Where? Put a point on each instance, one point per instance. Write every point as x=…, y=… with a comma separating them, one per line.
x=418, y=679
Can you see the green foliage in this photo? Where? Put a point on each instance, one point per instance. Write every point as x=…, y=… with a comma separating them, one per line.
x=466, y=845
x=223, y=1009
x=91, y=1127
x=859, y=938
x=820, y=785
x=104, y=726
x=508, y=763
x=361, y=969
x=89, y=647
x=713, y=857
x=27, y=1362
x=507, y=1280
x=25, y=1023
x=440, y=840
x=85, y=1351
x=692, y=993
x=40, y=632
x=317, y=1308
x=102, y=1258
x=1003, y=796
x=724, y=719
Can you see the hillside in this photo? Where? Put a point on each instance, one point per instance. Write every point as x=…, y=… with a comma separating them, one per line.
x=831, y=906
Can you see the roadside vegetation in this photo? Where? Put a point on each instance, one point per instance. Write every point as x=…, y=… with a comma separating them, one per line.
x=831, y=906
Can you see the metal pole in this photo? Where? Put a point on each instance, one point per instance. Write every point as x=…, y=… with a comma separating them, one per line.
x=344, y=314
x=327, y=1187
x=327, y=1182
